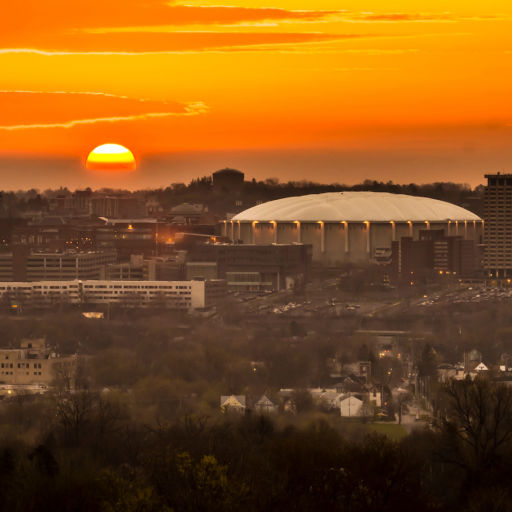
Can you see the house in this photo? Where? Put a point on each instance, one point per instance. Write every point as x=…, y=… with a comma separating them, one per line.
x=232, y=403
x=471, y=359
x=351, y=406
x=350, y=383
x=446, y=372
x=265, y=406
x=327, y=398
x=375, y=397
x=289, y=406
x=286, y=395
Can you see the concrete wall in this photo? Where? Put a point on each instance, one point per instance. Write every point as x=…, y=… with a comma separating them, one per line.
x=329, y=239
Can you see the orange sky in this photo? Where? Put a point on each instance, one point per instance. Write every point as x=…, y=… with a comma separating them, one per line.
x=406, y=90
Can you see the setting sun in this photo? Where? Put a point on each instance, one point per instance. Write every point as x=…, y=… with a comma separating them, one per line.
x=111, y=157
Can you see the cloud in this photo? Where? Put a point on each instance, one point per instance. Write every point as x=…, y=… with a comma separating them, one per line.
x=148, y=26
x=57, y=17
x=176, y=42
x=23, y=110
x=395, y=17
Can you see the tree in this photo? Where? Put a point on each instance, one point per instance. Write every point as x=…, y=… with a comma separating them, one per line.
x=476, y=430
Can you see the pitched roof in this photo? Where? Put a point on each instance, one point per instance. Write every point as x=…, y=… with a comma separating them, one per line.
x=264, y=402
x=232, y=401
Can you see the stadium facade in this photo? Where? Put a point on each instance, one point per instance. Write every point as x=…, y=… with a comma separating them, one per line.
x=350, y=227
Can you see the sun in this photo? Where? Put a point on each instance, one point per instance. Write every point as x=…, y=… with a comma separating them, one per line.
x=111, y=157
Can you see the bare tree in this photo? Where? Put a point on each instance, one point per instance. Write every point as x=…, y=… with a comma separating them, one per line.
x=476, y=424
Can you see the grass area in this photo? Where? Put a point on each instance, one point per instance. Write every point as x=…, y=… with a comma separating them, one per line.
x=394, y=431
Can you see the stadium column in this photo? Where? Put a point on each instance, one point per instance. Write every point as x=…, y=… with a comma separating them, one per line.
x=345, y=230
x=456, y=228
x=322, y=236
x=367, y=225
x=393, y=230
x=253, y=231
x=299, y=231
x=411, y=232
x=239, y=231
x=274, y=226
x=232, y=231
x=465, y=230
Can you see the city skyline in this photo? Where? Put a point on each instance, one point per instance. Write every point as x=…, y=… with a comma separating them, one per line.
x=413, y=92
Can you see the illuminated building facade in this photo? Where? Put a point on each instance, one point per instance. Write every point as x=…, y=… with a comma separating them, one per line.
x=350, y=227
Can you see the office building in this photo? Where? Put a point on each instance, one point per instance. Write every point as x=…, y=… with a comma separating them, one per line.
x=117, y=206
x=248, y=267
x=160, y=268
x=434, y=253
x=183, y=295
x=25, y=265
x=30, y=368
x=498, y=225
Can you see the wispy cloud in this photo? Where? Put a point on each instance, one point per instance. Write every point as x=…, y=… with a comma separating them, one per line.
x=295, y=48
x=192, y=110
x=55, y=16
x=396, y=17
x=29, y=110
x=185, y=42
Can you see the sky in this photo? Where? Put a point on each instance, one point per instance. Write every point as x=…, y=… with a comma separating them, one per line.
x=324, y=90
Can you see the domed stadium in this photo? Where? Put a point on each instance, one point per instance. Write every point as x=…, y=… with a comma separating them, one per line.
x=352, y=227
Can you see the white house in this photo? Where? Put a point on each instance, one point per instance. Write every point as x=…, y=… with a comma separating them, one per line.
x=481, y=368
x=351, y=406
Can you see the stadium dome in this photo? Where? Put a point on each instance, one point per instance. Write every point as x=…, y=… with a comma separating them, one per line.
x=350, y=226
x=357, y=206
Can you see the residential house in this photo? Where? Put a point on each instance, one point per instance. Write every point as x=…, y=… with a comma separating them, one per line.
x=446, y=372
x=265, y=406
x=233, y=403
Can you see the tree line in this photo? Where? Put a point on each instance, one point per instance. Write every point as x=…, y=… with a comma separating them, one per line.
x=88, y=453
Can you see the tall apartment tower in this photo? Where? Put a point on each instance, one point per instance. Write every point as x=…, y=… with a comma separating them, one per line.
x=498, y=225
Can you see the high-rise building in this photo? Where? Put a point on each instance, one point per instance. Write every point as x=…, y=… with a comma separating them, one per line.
x=498, y=225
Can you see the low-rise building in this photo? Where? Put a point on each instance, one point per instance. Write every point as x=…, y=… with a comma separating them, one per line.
x=33, y=364
x=161, y=268
x=182, y=295
x=248, y=267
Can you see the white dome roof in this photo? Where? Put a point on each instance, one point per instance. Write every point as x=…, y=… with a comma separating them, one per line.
x=357, y=207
